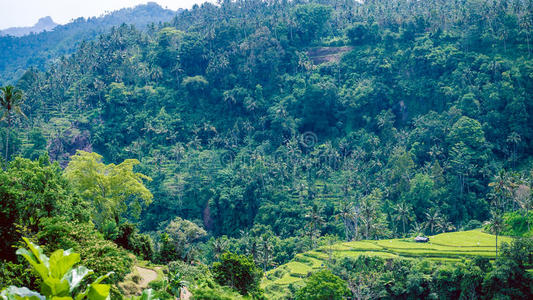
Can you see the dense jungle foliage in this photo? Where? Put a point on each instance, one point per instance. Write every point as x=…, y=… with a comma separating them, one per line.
x=46, y=48
x=244, y=132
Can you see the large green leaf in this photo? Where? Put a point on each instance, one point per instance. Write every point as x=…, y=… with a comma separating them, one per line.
x=39, y=267
x=61, y=261
x=75, y=276
x=55, y=287
x=87, y=291
x=36, y=257
x=17, y=293
x=38, y=253
x=99, y=292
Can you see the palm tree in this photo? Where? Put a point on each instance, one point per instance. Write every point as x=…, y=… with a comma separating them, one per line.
x=417, y=229
x=10, y=100
x=503, y=187
x=315, y=221
x=433, y=221
x=403, y=214
x=514, y=139
x=265, y=252
x=346, y=213
x=369, y=212
x=496, y=223
x=220, y=245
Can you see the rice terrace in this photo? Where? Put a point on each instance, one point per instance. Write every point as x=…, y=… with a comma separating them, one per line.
x=445, y=247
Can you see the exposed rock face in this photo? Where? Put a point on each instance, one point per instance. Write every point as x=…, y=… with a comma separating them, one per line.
x=44, y=24
x=62, y=147
x=322, y=55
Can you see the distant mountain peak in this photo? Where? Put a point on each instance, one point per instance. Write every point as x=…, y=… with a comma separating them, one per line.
x=44, y=24
x=46, y=21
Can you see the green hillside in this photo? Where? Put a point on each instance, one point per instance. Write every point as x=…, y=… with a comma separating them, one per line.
x=243, y=135
x=445, y=247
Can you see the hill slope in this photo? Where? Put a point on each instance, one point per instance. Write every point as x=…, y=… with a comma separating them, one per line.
x=243, y=132
x=18, y=52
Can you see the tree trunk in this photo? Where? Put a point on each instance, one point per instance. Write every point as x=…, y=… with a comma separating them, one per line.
x=7, y=134
x=346, y=229
x=496, y=244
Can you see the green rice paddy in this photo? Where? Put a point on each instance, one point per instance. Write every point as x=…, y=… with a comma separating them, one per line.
x=446, y=247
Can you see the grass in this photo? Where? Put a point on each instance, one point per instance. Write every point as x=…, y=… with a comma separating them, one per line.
x=449, y=247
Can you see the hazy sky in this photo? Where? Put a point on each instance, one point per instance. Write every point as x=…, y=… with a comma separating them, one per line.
x=16, y=13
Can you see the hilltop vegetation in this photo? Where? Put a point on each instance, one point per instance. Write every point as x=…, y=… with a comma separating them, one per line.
x=39, y=50
x=273, y=128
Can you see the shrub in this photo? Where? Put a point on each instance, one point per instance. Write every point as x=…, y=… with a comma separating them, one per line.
x=516, y=224
x=60, y=280
x=238, y=272
x=473, y=224
x=16, y=274
x=97, y=253
x=29, y=191
x=140, y=244
x=323, y=285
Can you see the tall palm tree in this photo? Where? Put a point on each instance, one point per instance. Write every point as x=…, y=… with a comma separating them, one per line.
x=403, y=214
x=496, y=223
x=433, y=221
x=10, y=100
x=346, y=213
x=220, y=245
x=369, y=213
x=503, y=187
x=315, y=221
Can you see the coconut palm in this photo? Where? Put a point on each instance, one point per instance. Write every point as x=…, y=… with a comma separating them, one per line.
x=369, y=212
x=220, y=245
x=403, y=213
x=496, y=225
x=10, y=99
x=503, y=187
x=346, y=210
x=315, y=221
x=433, y=221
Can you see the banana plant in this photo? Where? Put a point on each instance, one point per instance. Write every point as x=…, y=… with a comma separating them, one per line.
x=176, y=282
x=60, y=280
x=147, y=294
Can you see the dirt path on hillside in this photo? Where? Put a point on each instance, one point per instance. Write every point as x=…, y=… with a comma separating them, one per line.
x=147, y=276
x=185, y=294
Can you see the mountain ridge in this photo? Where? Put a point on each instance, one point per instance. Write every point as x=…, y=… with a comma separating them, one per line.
x=20, y=53
x=43, y=24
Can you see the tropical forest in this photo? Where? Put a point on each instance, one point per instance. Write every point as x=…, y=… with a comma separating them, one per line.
x=270, y=149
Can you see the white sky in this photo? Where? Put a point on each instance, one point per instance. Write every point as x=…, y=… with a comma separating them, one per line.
x=18, y=13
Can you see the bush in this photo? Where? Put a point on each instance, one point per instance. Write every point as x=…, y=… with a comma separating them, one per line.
x=140, y=244
x=206, y=292
x=238, y=272
x=516, y=224
x=29, y=191
x=97, y=253
x=16, y=274
x=190, y=273
x=323, y=285
x=473, y=224
x=60, y=279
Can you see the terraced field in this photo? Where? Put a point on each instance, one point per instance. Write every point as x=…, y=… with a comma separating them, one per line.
x=446, y=247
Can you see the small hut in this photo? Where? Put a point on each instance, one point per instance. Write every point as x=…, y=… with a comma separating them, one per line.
x=421, y=239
